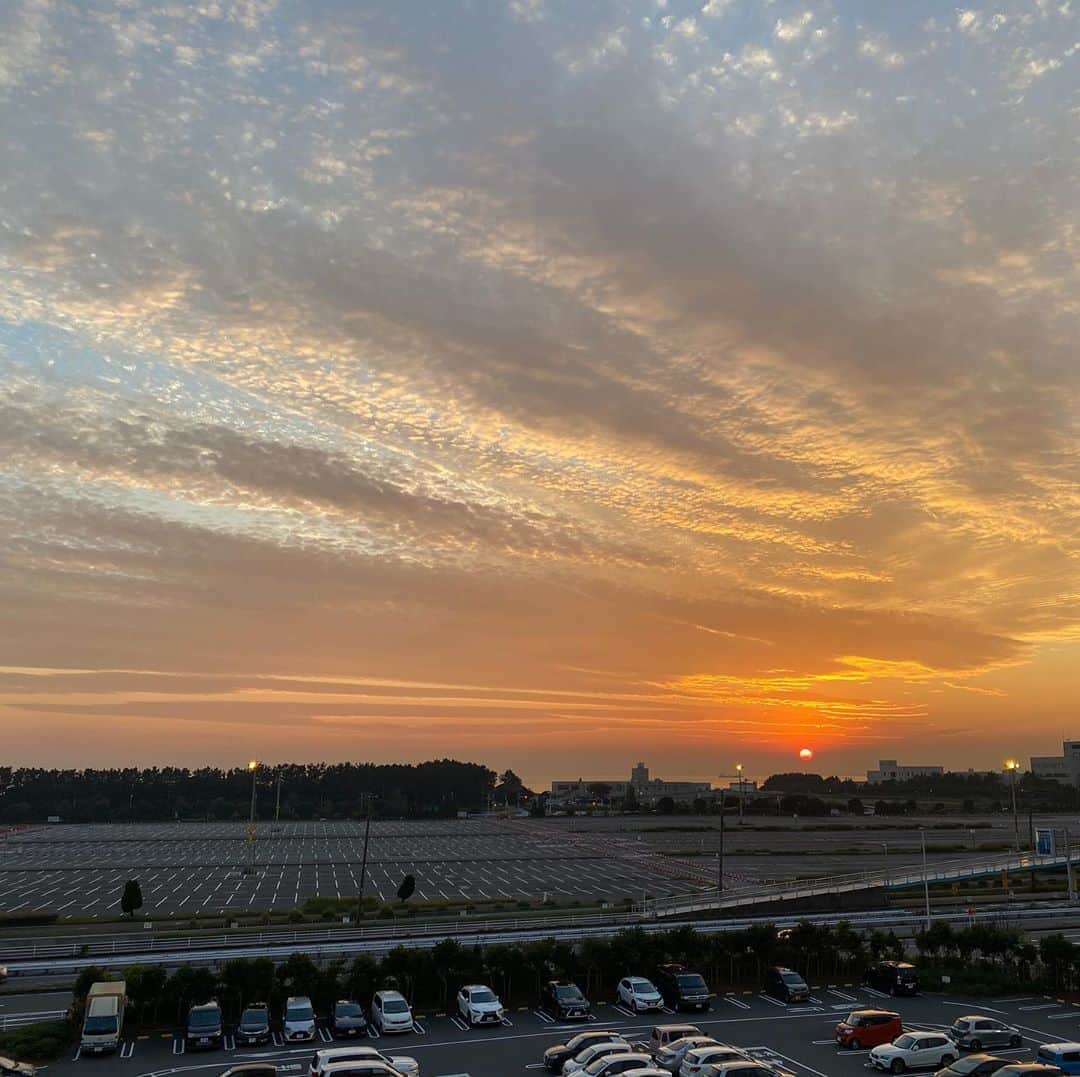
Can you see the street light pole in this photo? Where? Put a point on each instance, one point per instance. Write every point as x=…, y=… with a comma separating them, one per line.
x=253, y=766
x=925, y=877
x=738, y=768
x=277, y=803
x=363, y=861
x=720, y=858
x=1012, y=767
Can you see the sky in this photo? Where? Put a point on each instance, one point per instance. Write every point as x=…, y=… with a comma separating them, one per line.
x=546, y=384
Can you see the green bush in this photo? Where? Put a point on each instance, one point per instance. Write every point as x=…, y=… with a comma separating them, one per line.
x=39, y=1042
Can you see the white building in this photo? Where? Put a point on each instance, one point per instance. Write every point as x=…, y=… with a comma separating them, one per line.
x=889, y=770
x=1063, y=768
x=646, y=790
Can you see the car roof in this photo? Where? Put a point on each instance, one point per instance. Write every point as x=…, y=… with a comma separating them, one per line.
x=390, y=992
x=675, y=1028
x=297, y=998
x=1065, y=1045
x=872, y=1009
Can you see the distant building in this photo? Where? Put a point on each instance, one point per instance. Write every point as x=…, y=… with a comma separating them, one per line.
x=889, y=770
x=647, y=791
x=1064, y=768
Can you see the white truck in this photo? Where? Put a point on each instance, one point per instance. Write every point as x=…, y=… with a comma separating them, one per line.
x=103, y=1021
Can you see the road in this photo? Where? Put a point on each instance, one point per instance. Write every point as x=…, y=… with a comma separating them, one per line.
x=797, y=1037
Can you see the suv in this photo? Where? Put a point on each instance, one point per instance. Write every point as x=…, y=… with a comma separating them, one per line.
x=564, y=1001
x=868, y=1028
x=786, y=985
x=893, y=977
x=479, y=1005
x=682, y=989
x=203, y=1026
x=360, y=1056
x=974, y=1032
x=298, y=1021
x=254, y=1025
x=638, y=994
x=347, y=1019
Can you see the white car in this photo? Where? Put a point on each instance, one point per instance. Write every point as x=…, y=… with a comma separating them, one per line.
x=370, y=1068
x=746, y=1068
x=614, y=1065
x=390, y=1012
x=914, y=1050
x=330, y=1055
x=648, y=1071
x=479, y=1005
x=670, y=1056
x=638, y=994
x=593, y=1052
x=698, y=1058
x=298, y=1021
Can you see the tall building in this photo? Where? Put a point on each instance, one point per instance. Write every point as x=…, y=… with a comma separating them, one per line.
x=639, y=775
x=1063, y=768
x=889, y=770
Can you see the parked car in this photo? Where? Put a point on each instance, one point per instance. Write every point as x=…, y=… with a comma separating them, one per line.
x=347, y=1020
x=638, y=994
x=329, y=1056
x=748, y=1068
x=16, y=1069
x=479, y=1005
x=253, y=1026
x=298, y=1020
x=360, y=1069
x=683, y=989
x=249, y=1069
x=204, y=1029
x=1028, y=1069
x=564, y=1001
x=974, y=1032
x=973, y=1066
x=786, y=985
x=1066, y=1056
x=868, y=1028
x=555, y=1057
x=698, y=1060
x=893, y=977
x=662, y=1035
x=670, y=1057
x=914, y=1050
x=616, y=1064
x=647, y=1071
x=593, y=1052
x=390, y=1012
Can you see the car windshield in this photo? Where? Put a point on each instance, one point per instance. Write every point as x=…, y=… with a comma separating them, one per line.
x=690, y=982
x=253, y=1017
x=904, y=1042
x=569, y=992
x=966, y=1065
x=347, y=1009
x=100, y=1024
x=300, y=1012
x=395, y=1005
x=792, y=978
x=905, y=974
x=641, y=987
x=483, y=995
x=204, y=1019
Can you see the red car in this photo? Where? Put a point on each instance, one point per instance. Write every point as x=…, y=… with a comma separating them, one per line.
x=868, y=1028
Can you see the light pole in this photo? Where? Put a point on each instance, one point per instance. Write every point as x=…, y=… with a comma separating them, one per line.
x=363, y=862
x=720, y=858
x=925, y=877
x=277, y=802
x=1012, y=766
x=253, y=766
x=738, y=768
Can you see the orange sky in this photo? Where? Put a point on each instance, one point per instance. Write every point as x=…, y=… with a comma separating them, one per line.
x=550, y=386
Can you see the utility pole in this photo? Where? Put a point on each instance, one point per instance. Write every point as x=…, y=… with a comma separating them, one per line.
x=1012, y=766
x=363, y=861
x=720, y=858
x=738, y=768
x=925, y=877
x=1069, y=867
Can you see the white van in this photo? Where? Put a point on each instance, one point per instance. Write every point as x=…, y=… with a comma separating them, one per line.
x=390, y=1012
x=298, y=1020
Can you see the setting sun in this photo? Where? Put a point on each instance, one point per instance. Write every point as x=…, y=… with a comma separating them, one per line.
x=806, y=754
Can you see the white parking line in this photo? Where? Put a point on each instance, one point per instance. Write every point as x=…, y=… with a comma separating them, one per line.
x=736, y=1002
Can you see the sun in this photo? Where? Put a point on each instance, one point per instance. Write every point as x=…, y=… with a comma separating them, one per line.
x=806, y=754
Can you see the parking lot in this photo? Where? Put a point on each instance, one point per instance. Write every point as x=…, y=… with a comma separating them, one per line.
x=796, y=1038
x=187, y=868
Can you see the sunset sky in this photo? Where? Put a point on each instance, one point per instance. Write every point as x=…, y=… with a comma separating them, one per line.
x=548, y=384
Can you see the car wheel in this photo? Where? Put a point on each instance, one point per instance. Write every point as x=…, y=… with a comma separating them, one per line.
x=898, y=1065
x=947, y=1060
x=1016, y=1041
x=854, y=1045
x=976, y=1045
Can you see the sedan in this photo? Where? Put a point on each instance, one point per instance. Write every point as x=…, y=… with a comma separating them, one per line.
x=593, y=1052
x=638, y=994
x=697, y=1061
x=914, y=1050
x=973, y=1066
x=975, y=1032
x=670, y=1057
x=554, y=1057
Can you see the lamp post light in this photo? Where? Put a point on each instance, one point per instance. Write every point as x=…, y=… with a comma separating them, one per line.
x=1012, y=766
x=925, y=877
x=738, y=769
x=253, y=766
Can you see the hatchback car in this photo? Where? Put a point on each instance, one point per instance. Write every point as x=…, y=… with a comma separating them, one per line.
x=973, y=1066
x=347, y=1020
x=593, y=1052
x=639, y=995
x=914, y=1050
x=204, y=1028
x=331, y=1056
x=893, y=977
x=749, y=1068
x=564, y=1001
x=1028, y=1069
x=390, y=1012
x=683, y=989
x=868, y=1028
x=251, y=1069
x=555, y=1057
x=662, y=1035
x=974, y=1032
x=253, y=1026
x=786, y=985
x=698, y=1060
x=670, y=1057
x=616, y=1064
x=298, y=1020
x=479, y=1005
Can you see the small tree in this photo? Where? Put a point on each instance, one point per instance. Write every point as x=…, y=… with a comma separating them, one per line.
x=405, y=890
x=131, y=899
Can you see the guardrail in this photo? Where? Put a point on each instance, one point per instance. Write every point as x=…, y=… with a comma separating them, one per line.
x=18, y=1020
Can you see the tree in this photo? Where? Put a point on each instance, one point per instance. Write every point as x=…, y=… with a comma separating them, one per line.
x=599, y=791
x=131, y=899
x=855, y=806
x=405, y=890
x=665, y=806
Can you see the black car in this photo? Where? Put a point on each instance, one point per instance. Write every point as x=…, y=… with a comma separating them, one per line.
x=893, y=977
x=682, y=989
x=786, y=985
x=253, y=1026
x=204, y=1028
x=347, y=1020
x=564, y=1001
x=554, y=1057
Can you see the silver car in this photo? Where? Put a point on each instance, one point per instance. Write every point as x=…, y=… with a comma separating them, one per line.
x=670, y=1057
x=974, y=1032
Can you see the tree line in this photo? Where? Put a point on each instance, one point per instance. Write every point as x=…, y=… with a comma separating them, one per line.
x=439, y=788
